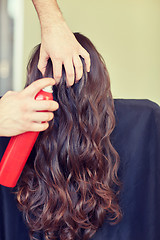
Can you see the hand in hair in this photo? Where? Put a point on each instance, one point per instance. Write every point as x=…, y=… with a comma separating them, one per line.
x=59, y=44
x=20, y=112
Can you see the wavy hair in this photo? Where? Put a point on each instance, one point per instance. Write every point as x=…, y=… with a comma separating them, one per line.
x=70, y=184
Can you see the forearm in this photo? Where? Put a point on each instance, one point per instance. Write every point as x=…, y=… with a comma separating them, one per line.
x=48, y=12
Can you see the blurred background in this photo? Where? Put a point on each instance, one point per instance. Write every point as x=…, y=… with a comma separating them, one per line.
x=125, y=32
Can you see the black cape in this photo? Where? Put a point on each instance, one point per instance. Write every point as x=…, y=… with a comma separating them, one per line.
x=137, y=140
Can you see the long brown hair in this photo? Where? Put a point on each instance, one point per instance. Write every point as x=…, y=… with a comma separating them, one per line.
x=70, y=185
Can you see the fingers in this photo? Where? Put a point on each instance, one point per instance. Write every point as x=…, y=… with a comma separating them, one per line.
x=78, y=67
x=87, y=59
x=41, y=117
x=57, y=70
x=38, y=127
x=37, y=118
x=43, y=59
x=70, y=76
x=72, y=64
x=38, y=121
x=47, y=105
x=73, y=67
x=36, y=86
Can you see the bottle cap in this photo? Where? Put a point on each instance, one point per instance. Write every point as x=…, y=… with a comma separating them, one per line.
x=48, y=89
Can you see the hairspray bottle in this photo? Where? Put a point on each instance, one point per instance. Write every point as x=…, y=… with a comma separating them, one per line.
x=19, y=149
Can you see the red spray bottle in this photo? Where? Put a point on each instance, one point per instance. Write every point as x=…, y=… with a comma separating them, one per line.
x=19, y=149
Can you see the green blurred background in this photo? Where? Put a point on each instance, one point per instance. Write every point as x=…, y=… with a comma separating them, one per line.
x=125, y=32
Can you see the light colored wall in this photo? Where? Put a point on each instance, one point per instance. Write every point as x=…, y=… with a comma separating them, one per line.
x=126, y=33
x=32, y=35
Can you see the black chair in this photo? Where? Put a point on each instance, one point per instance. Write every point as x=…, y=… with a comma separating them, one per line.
x=137, y=140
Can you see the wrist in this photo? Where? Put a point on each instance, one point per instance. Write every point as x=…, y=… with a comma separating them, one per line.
x=48, y=12
x=51, y=21
x=55, y=28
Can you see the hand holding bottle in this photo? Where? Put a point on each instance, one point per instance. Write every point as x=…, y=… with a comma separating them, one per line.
x=19, y=149
x=20, y=112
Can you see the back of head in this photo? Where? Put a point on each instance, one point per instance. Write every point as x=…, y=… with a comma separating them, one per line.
x=68, y=188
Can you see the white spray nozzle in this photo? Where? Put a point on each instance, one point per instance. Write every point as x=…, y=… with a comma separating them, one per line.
x=48, y=89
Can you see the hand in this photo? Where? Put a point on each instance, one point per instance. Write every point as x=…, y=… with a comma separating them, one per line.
x=59, y=44
x=20, y=112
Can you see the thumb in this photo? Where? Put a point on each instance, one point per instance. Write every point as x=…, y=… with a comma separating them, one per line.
x=37, y=85
x=43, y=59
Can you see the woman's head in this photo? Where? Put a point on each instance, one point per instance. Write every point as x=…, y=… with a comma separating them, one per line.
x=69, y=186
